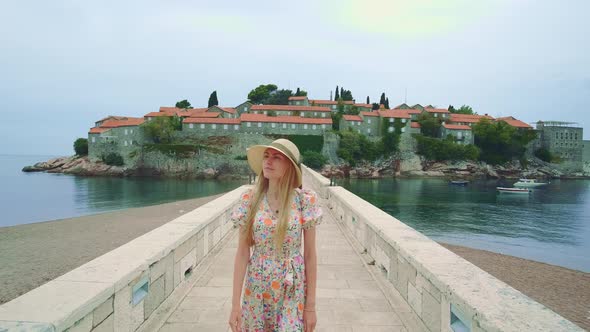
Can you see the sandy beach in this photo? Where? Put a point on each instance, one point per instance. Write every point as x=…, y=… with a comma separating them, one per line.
x=33, y=254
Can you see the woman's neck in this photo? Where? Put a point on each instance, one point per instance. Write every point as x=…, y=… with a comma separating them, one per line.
x=273, y=189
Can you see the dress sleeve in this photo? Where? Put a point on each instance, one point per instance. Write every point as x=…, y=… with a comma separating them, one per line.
x=311, y=212
x=238, y=215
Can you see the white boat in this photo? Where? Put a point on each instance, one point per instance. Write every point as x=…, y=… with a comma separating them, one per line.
x=459, y=182
x=528, y=183
x=504, y=190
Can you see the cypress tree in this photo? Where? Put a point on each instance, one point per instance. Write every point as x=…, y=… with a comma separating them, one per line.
x=368, y=101
x=297, y=92
x=337, y=95
x=387, y=103
x=213, y=99
x=341, y=92
x=382, y=100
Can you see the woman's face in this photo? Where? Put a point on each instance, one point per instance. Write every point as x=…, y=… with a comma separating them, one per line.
x=274, y=164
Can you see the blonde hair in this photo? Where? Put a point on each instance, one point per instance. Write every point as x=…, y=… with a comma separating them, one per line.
x=287, y=183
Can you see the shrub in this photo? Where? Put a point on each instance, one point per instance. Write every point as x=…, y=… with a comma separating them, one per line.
x=356, y=147
x=436, y=149
x=544, y=155
x=81, y=146
x=113, y=159
x=314, y=159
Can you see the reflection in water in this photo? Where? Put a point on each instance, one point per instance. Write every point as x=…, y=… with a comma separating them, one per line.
x=106, y=194
x=551, y=224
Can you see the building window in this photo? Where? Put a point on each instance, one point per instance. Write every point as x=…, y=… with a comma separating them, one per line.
x=313, y=127
x=436, y=115
x=403, y=120
x=284, y=126
x=403, y=129
x=236, y=127
x=369, y=121
x=202, y=126
x=126, y=132
x=323, y=115
x=369, y=130
x=125, y=143
x=305, y=126
x=131, y=131
x=390, y=120
x=213, y=126
x=323, y=126
x=293, y=126
x=333, y=107
x=264, y=112
x=259, y=124
x=93, y=139
x=315, y=113
x=248, y=124
x=225, y=126
x=191, y=126
x=302, y=114
x=390, y=129
x=288, y=113
x=273, y=125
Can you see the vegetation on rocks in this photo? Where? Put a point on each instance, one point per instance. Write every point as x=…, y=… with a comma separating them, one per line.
x=499, y=142
x=81, y=146
x=447, y=149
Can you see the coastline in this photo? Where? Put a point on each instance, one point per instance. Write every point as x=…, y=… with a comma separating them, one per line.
x=36, y=253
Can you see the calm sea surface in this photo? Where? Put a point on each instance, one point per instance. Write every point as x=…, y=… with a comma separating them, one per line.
x=33, y=197
x=551, y=225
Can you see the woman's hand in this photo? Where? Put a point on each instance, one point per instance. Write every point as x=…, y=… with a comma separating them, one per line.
x=235, y=320
x=309, y=320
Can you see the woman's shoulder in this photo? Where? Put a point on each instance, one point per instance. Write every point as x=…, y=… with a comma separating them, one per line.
x=306, y=195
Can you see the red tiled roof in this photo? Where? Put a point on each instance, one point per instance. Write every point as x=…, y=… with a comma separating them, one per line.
x=204, y=115
x=298, y=98
x=170, y=109
x=113, y=117
x=400, y=114
x=122, y=123
x=364, y=105
x=154, y=114
x=436, y=110
x=514, y=122
x=98, y=130
x=352, y=118
x=289, y=108
x=456, y=127
x=212, y=120
x=229, y=110
x=246, y=117
x=415, y=125
x=370, y=113
x=330, y=102
x=413, y=111
x=470, y=118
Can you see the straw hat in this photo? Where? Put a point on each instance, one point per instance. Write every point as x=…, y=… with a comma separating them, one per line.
x=255, y=155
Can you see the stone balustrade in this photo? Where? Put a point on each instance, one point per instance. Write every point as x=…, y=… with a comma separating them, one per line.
x=447, y=292
x=121, y=289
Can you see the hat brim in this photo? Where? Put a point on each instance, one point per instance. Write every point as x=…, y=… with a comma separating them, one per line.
x=255, y=155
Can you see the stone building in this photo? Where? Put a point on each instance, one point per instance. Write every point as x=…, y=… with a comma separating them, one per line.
x=564, y=140
x=120, y=136
x=460, y=132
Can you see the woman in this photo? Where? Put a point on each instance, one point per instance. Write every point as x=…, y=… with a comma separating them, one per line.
x=280, y=286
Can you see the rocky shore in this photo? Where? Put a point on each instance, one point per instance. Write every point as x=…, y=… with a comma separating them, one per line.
x=410, y=166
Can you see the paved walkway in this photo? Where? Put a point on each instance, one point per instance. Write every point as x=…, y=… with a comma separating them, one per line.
x=348, y=298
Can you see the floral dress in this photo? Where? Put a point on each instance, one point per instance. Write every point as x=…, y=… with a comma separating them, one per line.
x=275, y=288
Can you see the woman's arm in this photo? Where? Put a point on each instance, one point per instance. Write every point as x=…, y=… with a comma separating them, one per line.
x=311, y=266
x=240, y=265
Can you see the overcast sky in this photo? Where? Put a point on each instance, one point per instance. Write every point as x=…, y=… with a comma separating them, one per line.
x=66, y=64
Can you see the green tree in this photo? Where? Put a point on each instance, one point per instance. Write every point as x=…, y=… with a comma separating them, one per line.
x=544, y=155
x=353, y=110
x=81, y=146
x=356, y=147
x=213, y=99
x=386, y=103
x=368, y=101
x=113, y=159
x=300, y=93
x=382, y=99
x=337, y=94
x=161, y=129
x=314, y=159
x=500, y=142
x=429, y=125
x=279, y=97
x=462, y=110
x=261, y=93
x=183, y=104
x=375, y=107
x=445, y=149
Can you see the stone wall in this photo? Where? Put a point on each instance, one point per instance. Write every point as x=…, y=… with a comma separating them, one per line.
x=444, y=290
x=121, y=289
